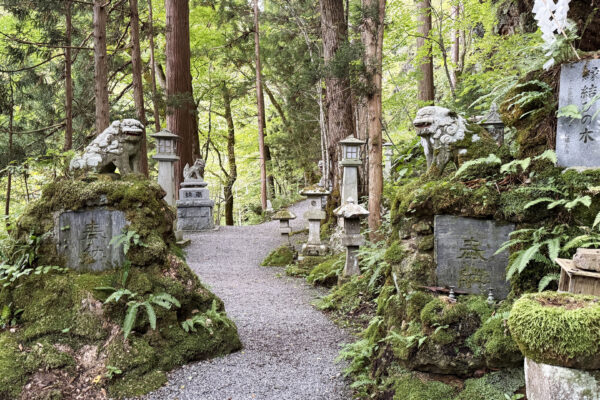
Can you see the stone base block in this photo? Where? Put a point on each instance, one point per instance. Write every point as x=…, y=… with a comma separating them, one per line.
x=549, y=382
x=315, y=250
x=193, y=219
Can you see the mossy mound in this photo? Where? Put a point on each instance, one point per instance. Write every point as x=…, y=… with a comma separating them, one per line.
x=326, y=273
x=280, y=257
x=558, y=328
x=64, y=329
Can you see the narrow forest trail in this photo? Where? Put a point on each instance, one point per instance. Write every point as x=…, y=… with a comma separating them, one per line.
x=289, y=346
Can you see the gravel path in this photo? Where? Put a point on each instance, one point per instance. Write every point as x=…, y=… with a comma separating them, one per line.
x=289, y=346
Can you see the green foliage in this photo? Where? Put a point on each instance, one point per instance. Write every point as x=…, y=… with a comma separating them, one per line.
x=327, y=272
x=163, y=300
x=534, y=93
x=127, y=239
x=491, y=159
x=280, y=257
x=212, y=317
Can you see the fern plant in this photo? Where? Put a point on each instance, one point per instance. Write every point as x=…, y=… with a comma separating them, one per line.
x=163, y=300
x=207, y=320
x=530, y=98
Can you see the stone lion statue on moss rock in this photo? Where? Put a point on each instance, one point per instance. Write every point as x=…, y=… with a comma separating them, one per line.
x=440, y=130
x=117, y=147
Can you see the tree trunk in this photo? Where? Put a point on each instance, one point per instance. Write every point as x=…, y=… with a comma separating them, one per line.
x=455, y=46
x=232, y=173
x=338, y=97
x=180, y=100
x=260, y=103
x=68, y=81
x=153, y=69
x=100, y=66
x=425, y=88
x=372, y=39
x=10, y=154
x=138, y=88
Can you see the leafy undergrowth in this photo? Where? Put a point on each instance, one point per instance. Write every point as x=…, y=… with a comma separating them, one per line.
x=66, y=333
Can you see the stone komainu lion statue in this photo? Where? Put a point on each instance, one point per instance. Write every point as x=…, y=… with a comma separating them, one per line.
x=117, y=147
x=440, y=129
x=195, y=172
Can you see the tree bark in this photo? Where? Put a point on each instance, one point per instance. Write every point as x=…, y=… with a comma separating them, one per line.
x=68, y=80
x=455, y=51
x=425, y=85
x=232, y=173
x=260, y=104
x=100, y=66
x=372, y=39
x=153, y=69
x=338, y=96
x=180, y=99
x=138, y=88
x=10, y=154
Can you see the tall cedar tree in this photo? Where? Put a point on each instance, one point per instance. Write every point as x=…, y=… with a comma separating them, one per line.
x=68, y=144
x=100, y=66
x=338, y=95
x=425, y=87
x=372, y=40
x=138, y=89
x=260, y=104
x=230, y=175
x=181, y=118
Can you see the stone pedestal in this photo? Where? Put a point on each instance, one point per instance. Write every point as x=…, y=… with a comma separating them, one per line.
x=166, y=178
x=194, y=207
x=83, y=238
x=314, y=247
x=549, y=382
x=352, y=239
x=284, y=217
x=350, y=179
x=388, y=152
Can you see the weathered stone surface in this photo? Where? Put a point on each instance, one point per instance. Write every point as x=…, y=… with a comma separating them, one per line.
x=578, y=140
x=588, y=259
x=83, y=238
x=117, y=147
x=194, y=215
x=549, y=382
x=464, y=250
x=439, y=129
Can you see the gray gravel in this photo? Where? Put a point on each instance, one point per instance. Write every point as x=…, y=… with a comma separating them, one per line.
x=289, y=346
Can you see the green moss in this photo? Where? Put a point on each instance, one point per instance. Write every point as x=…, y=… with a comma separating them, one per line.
x=394, y=253
x=438, y=313
x=494, y=342
x=410, y=387
x=493, y=386
x=426, y=243
x=44, y=355
x=137, y=385
x=415, y=303
x=326, y=273
x=565, y=331
x=279, y=257
x=12, y=370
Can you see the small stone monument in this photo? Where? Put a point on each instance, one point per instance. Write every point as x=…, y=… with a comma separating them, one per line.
x=117, y=147
x=352, y=239
x=166, y=155
x=492, y=122
x=578, y=140
x=83, y=238
x=194, y=207
x=388, y=152
x=314, y=215
x=284, y=216
x=465, y=254
x=351, y=160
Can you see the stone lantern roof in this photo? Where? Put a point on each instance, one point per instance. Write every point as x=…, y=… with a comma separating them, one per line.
x=165, y=134
x=492, y=117
x=284, y=214
x=315, y=190
x=351, y=210
x=352, y=141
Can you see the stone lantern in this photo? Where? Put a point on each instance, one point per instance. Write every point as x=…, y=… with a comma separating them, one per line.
x=352, y=239
x=493, y=124
x=284, y=216
x=351, y=160
x=166, y=154
x=388, y=152
x=314, y=215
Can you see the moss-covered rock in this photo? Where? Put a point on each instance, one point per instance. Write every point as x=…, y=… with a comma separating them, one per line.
x=408, y=386
x=65, y=327
x=558, y=328
x=327, y=272
x=280, y=257
x=493, y=386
